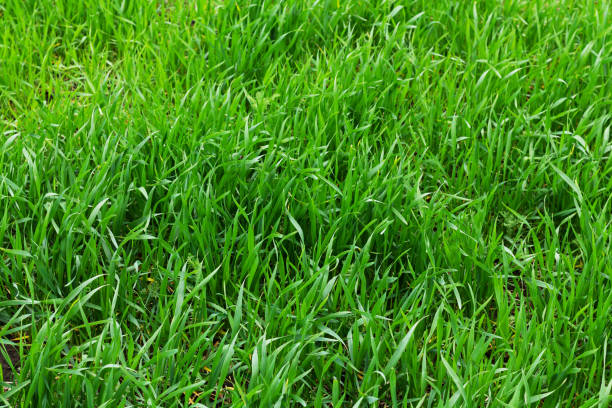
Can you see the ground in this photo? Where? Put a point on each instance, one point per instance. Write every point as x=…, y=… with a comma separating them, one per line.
x=305, y=203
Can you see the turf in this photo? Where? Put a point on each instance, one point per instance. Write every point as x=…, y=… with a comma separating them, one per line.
x=306, y=203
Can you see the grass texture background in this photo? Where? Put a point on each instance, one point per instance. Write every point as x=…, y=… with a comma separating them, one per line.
x=306, y=203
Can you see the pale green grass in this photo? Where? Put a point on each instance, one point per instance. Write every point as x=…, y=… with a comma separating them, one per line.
x=306, y=203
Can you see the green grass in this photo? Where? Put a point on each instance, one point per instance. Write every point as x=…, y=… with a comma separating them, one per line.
x=306, y=203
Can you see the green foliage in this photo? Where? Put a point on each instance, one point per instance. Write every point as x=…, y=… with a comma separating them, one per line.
x=306, y=203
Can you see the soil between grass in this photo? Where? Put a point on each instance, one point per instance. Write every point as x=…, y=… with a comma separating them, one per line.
x=13, y=355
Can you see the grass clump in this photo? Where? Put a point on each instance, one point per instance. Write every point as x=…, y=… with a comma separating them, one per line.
x=293, y=203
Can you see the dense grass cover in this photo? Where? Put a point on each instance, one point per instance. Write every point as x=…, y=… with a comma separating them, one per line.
x=318, y=203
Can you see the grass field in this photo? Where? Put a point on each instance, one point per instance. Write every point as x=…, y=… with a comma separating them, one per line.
x=277, y=203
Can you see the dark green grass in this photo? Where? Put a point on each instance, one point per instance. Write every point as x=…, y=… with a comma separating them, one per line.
x=306, y=203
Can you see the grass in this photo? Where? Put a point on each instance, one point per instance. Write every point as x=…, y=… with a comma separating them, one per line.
x=306, y=203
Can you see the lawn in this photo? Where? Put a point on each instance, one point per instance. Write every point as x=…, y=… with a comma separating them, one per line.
x=285, y=203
